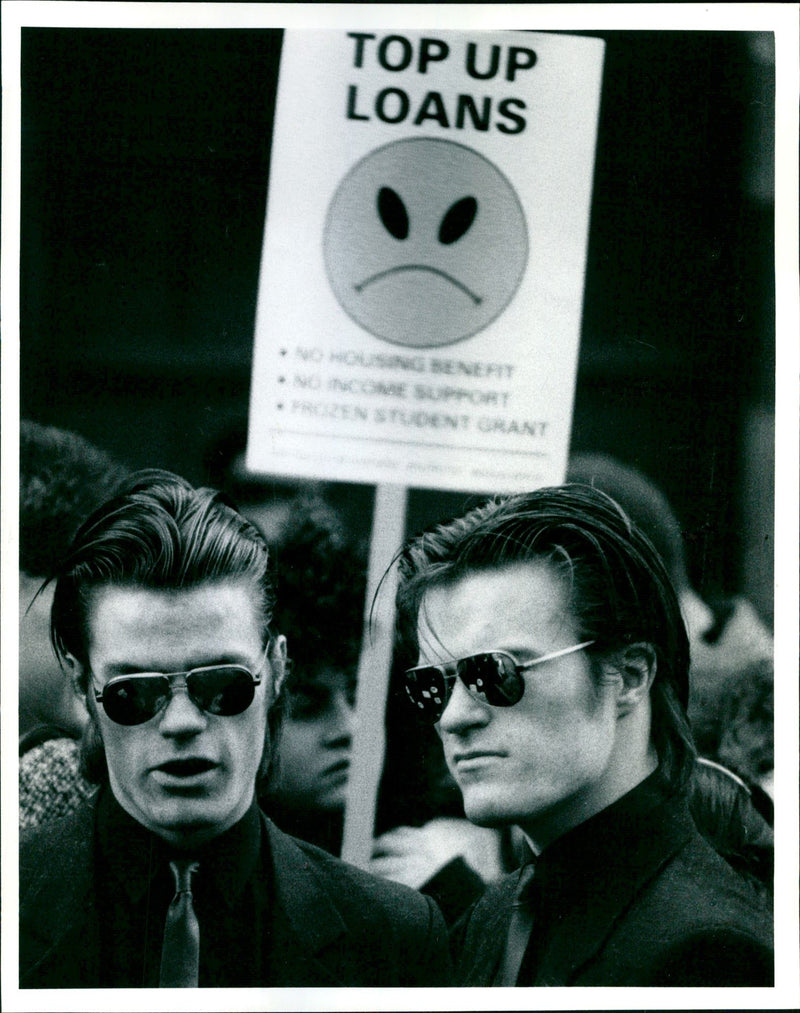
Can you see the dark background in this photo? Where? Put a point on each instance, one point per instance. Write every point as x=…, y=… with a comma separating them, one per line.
x=145, y=157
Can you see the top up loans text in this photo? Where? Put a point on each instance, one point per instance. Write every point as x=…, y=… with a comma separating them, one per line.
x=397, y=53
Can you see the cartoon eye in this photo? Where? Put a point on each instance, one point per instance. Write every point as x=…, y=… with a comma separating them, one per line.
x=457, y=220
x=392, y=212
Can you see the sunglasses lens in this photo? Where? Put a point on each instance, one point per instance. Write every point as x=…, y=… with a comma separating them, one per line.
x=427, y=691
x=134, y=701
x=226, y=690
x=492, y=678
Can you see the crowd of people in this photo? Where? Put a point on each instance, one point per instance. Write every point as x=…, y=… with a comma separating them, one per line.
x=592, y=804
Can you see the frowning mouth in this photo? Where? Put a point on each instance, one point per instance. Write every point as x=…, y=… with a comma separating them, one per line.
x=339, y=769
x=418, y=267
x=475, y=757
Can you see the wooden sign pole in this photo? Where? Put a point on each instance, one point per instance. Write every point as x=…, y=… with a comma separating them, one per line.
x=374, y=668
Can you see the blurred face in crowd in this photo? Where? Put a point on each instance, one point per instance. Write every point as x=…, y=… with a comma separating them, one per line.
x=544, y=762
x=45, y=694
x=186, y=774
x=315, y=741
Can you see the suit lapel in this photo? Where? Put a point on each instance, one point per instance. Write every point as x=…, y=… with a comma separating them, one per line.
x=581, y=914
x=306, y=923
x=486, y=933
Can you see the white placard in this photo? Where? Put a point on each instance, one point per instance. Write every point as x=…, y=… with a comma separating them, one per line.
x=422, y=275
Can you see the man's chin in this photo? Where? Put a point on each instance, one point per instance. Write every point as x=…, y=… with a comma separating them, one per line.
x=485, y=811
x=190, y=833
x=188, y=821
x=332, y=802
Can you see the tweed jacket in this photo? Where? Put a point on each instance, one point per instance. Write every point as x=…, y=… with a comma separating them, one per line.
x=633, y=896
x=331, y=924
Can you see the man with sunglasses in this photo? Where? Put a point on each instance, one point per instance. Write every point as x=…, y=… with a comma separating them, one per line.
x=549, y=650
x=172, y=876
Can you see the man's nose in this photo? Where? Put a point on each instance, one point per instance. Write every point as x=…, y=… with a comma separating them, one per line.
x=462, y=711
x=182, y=716
x=341, y=719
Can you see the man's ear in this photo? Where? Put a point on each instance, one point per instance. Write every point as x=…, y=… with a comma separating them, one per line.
x=279, y=660
x=636, y=664
x=74, y=671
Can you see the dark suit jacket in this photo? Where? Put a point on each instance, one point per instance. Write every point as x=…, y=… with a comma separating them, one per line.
x=332, y=924
x=634, y=896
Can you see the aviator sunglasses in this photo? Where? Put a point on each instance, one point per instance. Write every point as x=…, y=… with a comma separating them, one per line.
x=492, y=677
x=225, y=690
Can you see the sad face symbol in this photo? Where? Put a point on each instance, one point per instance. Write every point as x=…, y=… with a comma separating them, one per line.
x=425, y=242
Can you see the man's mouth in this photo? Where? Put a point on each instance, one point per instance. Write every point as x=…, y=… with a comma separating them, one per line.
x=189, y=767
x=475, y=758
x=338, y=769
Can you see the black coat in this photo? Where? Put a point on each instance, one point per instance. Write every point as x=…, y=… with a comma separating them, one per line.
x=634, y=896
x=331, y=923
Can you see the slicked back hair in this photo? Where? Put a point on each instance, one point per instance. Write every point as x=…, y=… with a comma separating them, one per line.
x=158, y=532
x=618, y=590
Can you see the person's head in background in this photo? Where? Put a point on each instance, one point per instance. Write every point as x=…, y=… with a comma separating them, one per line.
x=321, y=584
x=62, y=478
x=650, y=510
x=268, y=501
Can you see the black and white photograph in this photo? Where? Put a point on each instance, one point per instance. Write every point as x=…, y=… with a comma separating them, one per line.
x=423, y=380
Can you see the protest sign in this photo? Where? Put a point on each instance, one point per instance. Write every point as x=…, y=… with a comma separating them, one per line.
x=422, y=272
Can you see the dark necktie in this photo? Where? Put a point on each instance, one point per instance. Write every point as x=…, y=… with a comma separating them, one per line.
x=519, y=929
x=180, y=953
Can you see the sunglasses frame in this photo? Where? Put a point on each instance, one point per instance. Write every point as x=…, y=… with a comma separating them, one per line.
x=178, y=679
x=451, y=676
